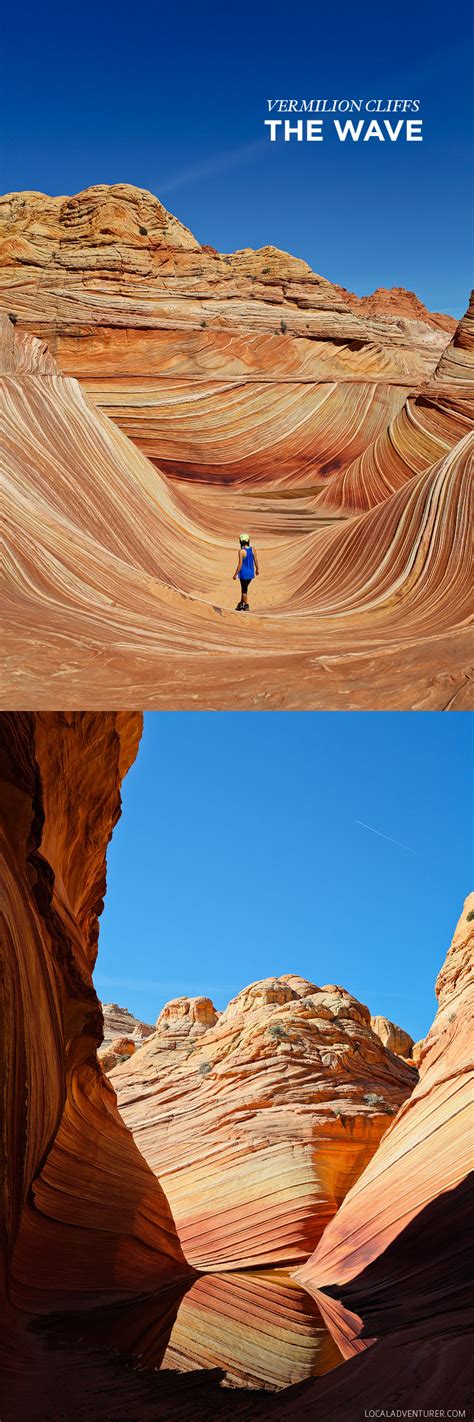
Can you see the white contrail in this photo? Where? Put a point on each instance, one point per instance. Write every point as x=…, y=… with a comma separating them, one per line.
x=210, y=167
x=384, y=836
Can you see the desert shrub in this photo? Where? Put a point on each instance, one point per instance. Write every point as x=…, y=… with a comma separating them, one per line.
x=204, y=1068
x=470, y=915
x=203, y=323
x=14, y=319
x=265, y=271
x=276, y=1030
x=283, y=326
x=373, y=1099
x=143, y=231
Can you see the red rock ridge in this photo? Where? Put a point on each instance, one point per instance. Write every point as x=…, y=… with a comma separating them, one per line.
x=398, y=302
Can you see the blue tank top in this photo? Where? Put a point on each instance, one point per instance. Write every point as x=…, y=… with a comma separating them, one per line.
x=248, y=565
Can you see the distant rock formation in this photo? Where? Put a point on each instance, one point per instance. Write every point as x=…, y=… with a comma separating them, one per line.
x=392, y=1036
x=119, y=1022
x=276, y=1104
x=393, y=1265
x=400, y=305
x=122, y=1034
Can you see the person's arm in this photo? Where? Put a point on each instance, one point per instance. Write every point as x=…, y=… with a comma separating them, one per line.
x=255, y=559
x=239, y=565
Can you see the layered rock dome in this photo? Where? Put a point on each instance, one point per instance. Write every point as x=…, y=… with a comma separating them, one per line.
x=259, y=1119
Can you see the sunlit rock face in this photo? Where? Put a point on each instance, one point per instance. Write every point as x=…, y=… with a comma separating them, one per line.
x=85, y=1219
x=122, y=1034
x=246, y=367
x=119, y=1022
x=260, y=1328
x=260, y=1122
x=393, y=1265
x=392, y=1036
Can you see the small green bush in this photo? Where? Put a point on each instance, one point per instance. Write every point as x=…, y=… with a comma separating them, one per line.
x=265, y=271
x=470, y=915
x=143, y=231
x=204, y=1068
x=13, y=317
x=203, y=323
x=373, y=1099
x=283, y=326
x=276, y=1030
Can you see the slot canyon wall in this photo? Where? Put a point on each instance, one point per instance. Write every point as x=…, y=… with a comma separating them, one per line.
x=393, y=1264
x=84, y=1220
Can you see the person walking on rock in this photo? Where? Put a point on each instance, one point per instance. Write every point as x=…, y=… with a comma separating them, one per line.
x=246, y=569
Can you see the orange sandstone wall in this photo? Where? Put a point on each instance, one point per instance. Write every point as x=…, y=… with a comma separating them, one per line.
x=393, y=1261
x=84, y=1218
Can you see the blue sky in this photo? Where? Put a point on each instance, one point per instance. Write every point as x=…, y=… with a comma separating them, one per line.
x=240, y=854
x=173, y=99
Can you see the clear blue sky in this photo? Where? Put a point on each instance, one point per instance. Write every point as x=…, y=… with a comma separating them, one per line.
x=239, y=855
x=173, y=99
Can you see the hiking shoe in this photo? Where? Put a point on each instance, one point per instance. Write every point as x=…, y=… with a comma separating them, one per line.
x=239, y=607
x=245, y=607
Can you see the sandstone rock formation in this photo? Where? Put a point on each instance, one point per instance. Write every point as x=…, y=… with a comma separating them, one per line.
x=260, y=1123
x=400, y=305
x=431, y=423
x=393, y=1265
x=84, y=1220
x=119, y=1022
x=260, y=1328
x=122, y=1034
x=91, y=1269
x=247, y=367
x=117, y=576
x=392, y=1036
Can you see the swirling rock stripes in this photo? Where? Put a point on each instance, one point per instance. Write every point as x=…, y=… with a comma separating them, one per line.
x=377, y=1283
x=260, y=1123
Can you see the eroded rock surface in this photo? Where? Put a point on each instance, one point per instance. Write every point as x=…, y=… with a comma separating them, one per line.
x=85, y=1220
x=246, y=368
x=393, y=1266
x=392, y=1036
x=260, y=1118
x=112, y=577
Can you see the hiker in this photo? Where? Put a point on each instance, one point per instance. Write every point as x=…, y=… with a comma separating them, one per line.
x=246, y=568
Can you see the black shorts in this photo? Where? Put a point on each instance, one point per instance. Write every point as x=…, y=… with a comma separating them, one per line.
x=244, y=583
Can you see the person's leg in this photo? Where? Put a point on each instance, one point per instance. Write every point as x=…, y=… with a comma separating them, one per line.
x=245, y=601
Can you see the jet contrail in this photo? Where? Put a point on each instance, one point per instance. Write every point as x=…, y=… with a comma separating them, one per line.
x=210, y=167
x=384, y=836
